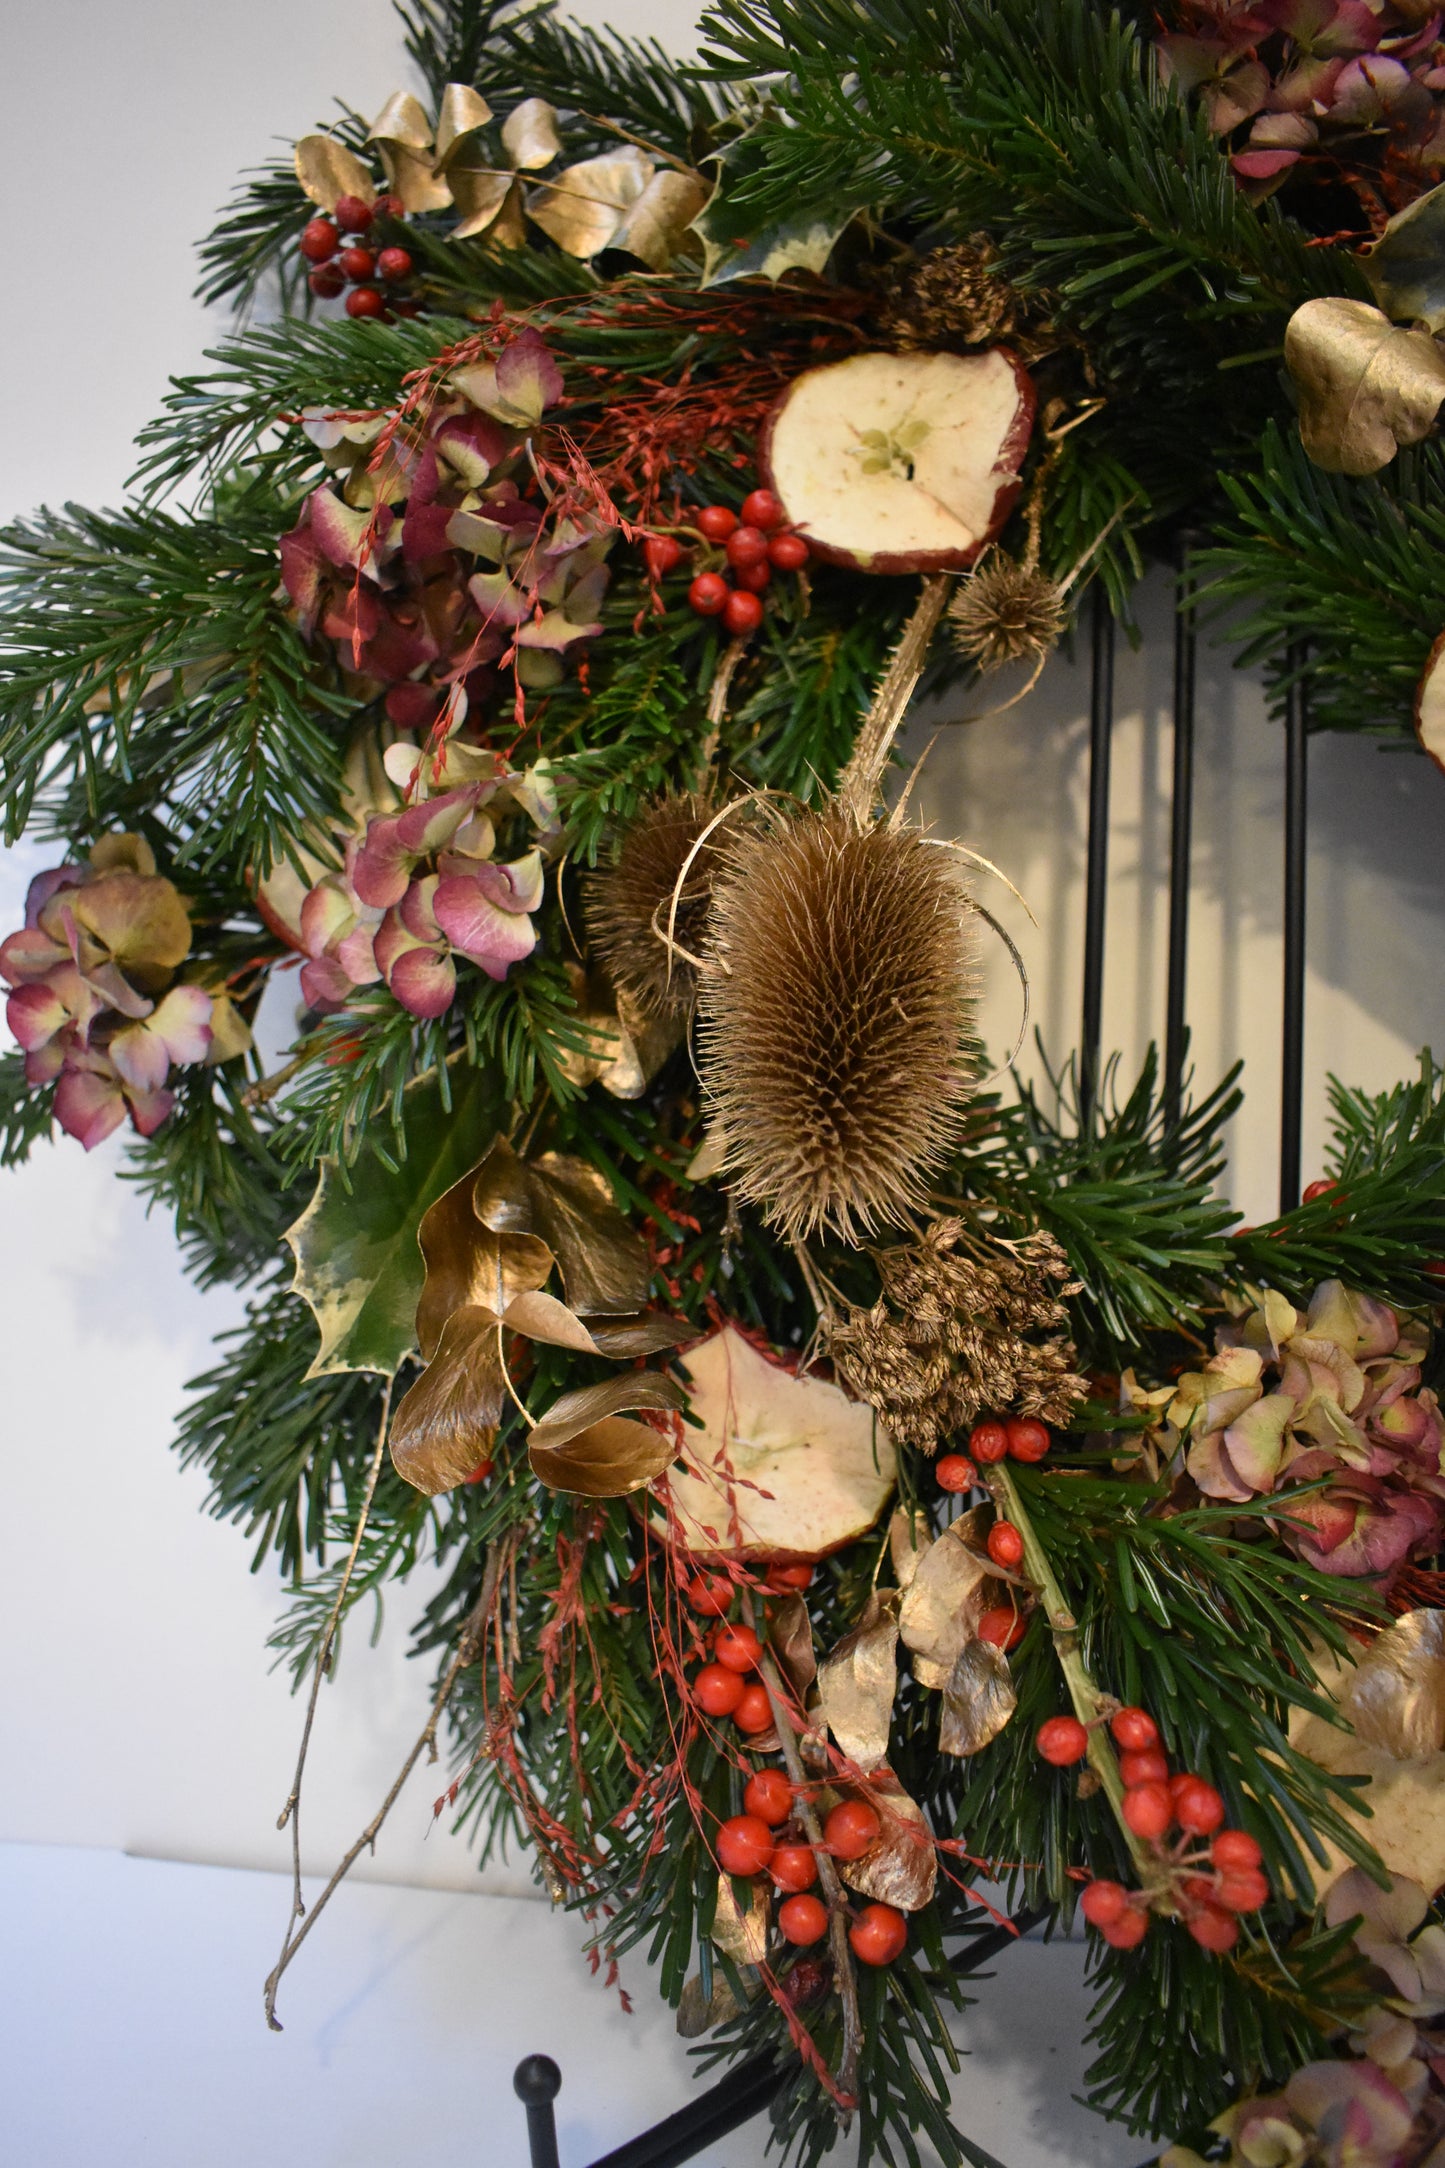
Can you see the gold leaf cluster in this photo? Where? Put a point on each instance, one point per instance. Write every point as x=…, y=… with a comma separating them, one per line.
x=964, y=1325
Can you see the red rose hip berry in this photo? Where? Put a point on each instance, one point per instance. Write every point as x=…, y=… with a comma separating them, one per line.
x=1104, y=1902
x=851, y=1829
x=762, y=509
x=1003, y=1626
x=1062, y=1741
x=717, y=522
x=737, y=1647
x=988, y=1443
x=660, y=553
x=319, y=240
x=1148, y=1810
x=878, y=1935
x=794, y=1866
x=1198, y=1807
x=1235, y=1849
x=754, y=1712
x=788, y=552
x=326, y=281
x=790, y=1577
x=1312, y=1190
x=756, y=579
x=954, y=1472
x=365, y=301
x=394, y=263
x=358, y=263
x=742, y=614
x=352, y=215
x=744, y=1845
x=1028, y=1439
x=769, y=1796
x=803, y=1920
x=711, y=1594
x=1146, y=1766
x=1213, y=1929
x=708, y=594
x=717, y=1692
x=1005, y=1545
x=1128, y=1930
x=747, y=546
x=1134, y=1730
x=1244, y=1889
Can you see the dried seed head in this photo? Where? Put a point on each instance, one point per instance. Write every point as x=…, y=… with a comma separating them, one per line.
x=1007, y=612
x=627, y=909
x=951, y=296
x=835, y=1038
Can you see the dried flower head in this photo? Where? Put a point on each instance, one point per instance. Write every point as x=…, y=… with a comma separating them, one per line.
x=952, y=296
x=627, y=909
x=836, y=1022
x=1007, y=612
x=964, y=1323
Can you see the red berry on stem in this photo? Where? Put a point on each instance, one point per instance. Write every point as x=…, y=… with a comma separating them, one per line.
x=388, y=207
x=747, y=546
x=1062, y=1740
x=1213, y=1929
x=1005, y=1545
x=710, y=1593
x=762, y=509
x=791, y=1577
x=1198, y=1808
x=988, y=1443
x=1134, y=1729
x=1128, y=1930
x=1104, y=1902
x=1146, y=1766
x=1243, y=1890
x=878, y=1935
x=1235, y=1848
x=757, y=579
x=769, y=1796
x=1148, y=1809
x=480, y=1473
x=851, y=1829
x=738, y=1647
x=326, y=281
x=754, y=1712
x=1321, y=1188
x=744, y=1845
x=794, y=1866
x=1198, y=1888
x=365, y=301
x=394, y=263
x=708, y=594
x=717, y=522
x=1027, y=1439
x=319, y=240
x=1003, y=1626
x=660, y=552
x=954, y=1472
x=717, y=1692
x=1177, y=1783
x=789, y=552
x=352, y=215
x=802, y=1920
x=742, y=614
x=357, y=263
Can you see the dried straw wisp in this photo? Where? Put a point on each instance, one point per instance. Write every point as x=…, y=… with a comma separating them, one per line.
x=627, y=908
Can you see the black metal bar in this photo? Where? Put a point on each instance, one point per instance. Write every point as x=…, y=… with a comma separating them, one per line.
x=723, y=2108
x=1292, y=1067
x=537, y=2081
x=1181, y=834
x=1101, y=724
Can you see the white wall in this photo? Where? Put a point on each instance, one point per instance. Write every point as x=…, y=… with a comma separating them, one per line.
x=136, y=1708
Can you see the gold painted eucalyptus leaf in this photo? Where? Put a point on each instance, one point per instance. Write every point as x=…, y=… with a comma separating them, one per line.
x=463, y=112
x=585, y=205
x=951, y=1587
x=1365, y=385
x=978, y=1700
x=1396, y=1695
x=742, y=1936
x=857, y=1681
x=902, y=1867
x=327, y=171
x=588, y=1443
x=359, y=1263
x=402, y=133
x=656, y=226
x=696, y=2017
x=1401, y=1811
x=1406, y=266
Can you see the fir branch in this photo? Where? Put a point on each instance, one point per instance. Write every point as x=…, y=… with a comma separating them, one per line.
x=26, y=1110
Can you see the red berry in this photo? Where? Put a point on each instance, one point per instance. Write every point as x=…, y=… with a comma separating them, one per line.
x=326, y=282
x=1321, y=1188
x=1104, y=1902
x=1128, y=1930
x=405, y=305
x=769, y=1796
x=352, y=215
x=717, y=1692
x=1062, y=1740
x=762, y=509
x=480, y=1473
x=1134, y=1729
x=747, y=546
x=754, y=1712
x=878, y=1935
x=394, y=263
x=660, y=552
x=954, y=1472
x=794, y=1866
x=388, y=207
x=1198, y=1889
x=1176, y=1784
x=808, y=1979
x=742, y=614
x=1435, y=1270
x=1027, y=1439
x=717, y=522
x=1198, y=1808
x=358, y=263
x=1213, y=1929
x=365, y=301
x=1148, y=1809
x=790, y=1577
x=710, y=1593
x=851, y=1829
x=1005, y=1545
x=1243, y=1891
x=319, y=239
x=804, y=1920
x=988, y=1443
x=1146, y=1766
x=1003, y=1626
x=738, y=1647
x=757, y=579
x=1234, y=1849
x=789, y=552
x=708, y=594
x=744, y=1845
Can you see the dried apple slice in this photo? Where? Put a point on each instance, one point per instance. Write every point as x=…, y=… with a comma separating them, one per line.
x=901, y=462
x=1430, y=704
x=784, y=1468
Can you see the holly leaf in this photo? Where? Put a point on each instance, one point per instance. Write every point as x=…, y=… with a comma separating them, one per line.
x=1406, y=267
x=358, y=1258
x=735, y=245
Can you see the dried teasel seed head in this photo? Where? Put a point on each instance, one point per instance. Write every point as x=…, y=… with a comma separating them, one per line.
x=836, y=1019
x=1007, y=612
x=627, y=909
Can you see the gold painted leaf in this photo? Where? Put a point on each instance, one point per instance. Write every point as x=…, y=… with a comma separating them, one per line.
x=978, y=1700
x=402, y=134
x=1396, y=1696
x=656, y=225
x=1406, y=266
x=488, y=202
x=327, y=171
x=696, y=2017
x=1365, y=385
x=463, y=112
x=587, y=1443
x=468, y=1263
x=790, y=1637
x=402, y=120
x=857, y=1681
x=742, y=1936
x=621, y=1338
x=566, y=1202
x=909, y=1537
x=446, y=1424
x=1406, y=1799
x=951, y=1588
x=902, y=1867
x=529, y=135
x=583, y=208
x=625, y=1047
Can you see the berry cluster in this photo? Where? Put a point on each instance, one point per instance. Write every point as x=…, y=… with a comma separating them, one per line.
x=340, y=257
x=1205, y=1889
x=750, y=547
x=1021, y=1437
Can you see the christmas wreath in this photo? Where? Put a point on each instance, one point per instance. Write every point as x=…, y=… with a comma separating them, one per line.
x=860, y=1486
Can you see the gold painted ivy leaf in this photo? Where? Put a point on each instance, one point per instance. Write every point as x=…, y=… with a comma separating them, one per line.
x=447, y=1423
x=1365, y=385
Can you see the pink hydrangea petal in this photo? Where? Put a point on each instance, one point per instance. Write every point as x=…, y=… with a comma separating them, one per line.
x=424, y=981
x=303, y=574
x=88, y=1107
x=356, y=954
x=528, y=379
x=417, y=914
x=29, y=954
x=112, y=989
x=182, y=1023
x=140, y=1058
x=478, y=930
x=46, y=885
x=341, y=530
x=149, y=1109
x=425, y=828
x=1263, y=165
x=514, y=887
x=497, y=599
x=382, y=867
x=44, y=1065
x=325, y=986
x=326, y=914
x=1255, y=1441
x=35, y=1013
x=1209, y=1464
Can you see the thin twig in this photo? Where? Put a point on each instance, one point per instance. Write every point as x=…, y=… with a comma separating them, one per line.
x=653, y=150
x=717, y=701
x=266, y=1087
x=473, y=1633
x=858, y=784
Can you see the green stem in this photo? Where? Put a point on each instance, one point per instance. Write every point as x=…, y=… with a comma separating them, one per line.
x=1082, y=1690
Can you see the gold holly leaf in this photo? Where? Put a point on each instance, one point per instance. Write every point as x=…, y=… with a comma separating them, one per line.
x=1366, y=386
